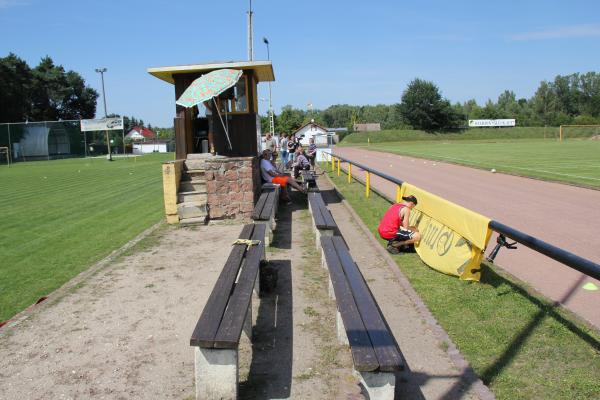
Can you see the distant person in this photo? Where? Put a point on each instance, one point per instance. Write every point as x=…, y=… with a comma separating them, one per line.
x=283, y=150
x=292, y=145
x=269, y=143
x=301, y=162
x=394, y=226
x=270, y=174
x=311, y=153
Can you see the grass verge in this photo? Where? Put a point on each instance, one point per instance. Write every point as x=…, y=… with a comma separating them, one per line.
x=519, y=344
x=59, y=217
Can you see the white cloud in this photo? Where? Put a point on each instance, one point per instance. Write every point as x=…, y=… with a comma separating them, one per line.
x=13, y=3
x=560, y=33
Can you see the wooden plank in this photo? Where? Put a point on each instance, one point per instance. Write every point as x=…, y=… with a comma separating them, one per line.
x=315, y=207
x=210, y=319
x=260, y=204
x=267, y=210
x=230, y=330
x=385, y=346
x=363, y=355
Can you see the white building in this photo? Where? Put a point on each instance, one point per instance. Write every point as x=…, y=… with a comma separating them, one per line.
x=312, y=130
x=149, y=147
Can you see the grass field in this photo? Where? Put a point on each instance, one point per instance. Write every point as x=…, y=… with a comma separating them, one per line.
x=570, y=161
x=519, y=344
x=59, y=217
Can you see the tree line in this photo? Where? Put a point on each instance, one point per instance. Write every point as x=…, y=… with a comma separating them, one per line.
x=570, y=99
x=46, y=92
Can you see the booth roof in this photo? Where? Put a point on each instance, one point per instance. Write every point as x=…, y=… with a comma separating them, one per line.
x=262, y=69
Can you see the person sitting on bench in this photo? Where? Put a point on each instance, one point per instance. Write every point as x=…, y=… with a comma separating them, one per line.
x=300, y=162
x=270, y=174
x=394, y=226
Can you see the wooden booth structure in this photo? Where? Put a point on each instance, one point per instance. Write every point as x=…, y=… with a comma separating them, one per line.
x=210, y=178
x=238, y=107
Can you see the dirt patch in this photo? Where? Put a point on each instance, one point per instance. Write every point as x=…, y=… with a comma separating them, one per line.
x=124, y=332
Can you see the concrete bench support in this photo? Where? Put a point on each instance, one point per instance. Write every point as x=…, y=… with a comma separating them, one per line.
x=379, y=385
x=216, y=373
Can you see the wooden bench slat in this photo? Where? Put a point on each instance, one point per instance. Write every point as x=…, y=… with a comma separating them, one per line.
x=321, y=214
x=363, y=355
x=383, y=341
x=210, y=319
x=315, y=206
x=260, y=204
x=232, y=324
x=267, y=210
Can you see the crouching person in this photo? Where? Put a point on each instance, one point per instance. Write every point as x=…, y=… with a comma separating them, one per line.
x=394, y=226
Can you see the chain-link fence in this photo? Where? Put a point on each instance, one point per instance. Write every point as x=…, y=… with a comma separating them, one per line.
x=28, y=141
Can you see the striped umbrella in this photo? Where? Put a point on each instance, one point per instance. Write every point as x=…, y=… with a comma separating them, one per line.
x=209, y=86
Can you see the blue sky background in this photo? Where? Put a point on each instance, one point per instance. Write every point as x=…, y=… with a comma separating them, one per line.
x=324, y=52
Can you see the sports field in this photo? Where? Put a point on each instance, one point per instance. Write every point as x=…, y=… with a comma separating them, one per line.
x=570, y=161
x=59, y=217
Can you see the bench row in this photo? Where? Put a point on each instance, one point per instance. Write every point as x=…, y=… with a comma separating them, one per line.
x=360, y=323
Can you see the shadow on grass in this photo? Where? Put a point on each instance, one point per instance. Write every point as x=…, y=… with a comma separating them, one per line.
x=545, y=310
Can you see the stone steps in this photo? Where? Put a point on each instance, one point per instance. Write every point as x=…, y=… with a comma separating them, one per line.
x=192, y=198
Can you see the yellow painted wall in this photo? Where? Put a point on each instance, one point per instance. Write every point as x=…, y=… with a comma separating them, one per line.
x=171, y=177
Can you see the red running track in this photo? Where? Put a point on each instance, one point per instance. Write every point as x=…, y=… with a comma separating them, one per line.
x=563, y=215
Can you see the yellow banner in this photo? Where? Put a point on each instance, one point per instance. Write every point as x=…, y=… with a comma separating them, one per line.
x=453, y=238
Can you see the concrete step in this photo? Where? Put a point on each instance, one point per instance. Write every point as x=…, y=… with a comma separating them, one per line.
x=192, y=186
x=194, y=164
x=186, y=211
x=197, y=198
x=194, y=221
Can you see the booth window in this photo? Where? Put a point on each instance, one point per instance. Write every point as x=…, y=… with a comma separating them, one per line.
x=240, y=101
x=235, y=100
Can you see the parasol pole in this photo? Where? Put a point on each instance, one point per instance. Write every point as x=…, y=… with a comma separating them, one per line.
x=223, y=123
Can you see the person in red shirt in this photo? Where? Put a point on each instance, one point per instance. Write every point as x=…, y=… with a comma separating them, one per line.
x=394, y=226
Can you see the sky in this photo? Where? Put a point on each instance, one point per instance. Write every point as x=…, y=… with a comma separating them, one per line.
x=323, y=52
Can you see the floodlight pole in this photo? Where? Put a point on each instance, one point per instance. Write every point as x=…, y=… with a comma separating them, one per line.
x=250, y=40
x=271, y=116
x=101, y=71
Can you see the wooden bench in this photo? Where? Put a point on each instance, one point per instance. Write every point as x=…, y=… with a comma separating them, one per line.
x=360, y=323
x=323, y=222
x=309, y=180
x=265, y=210
x=227, y=312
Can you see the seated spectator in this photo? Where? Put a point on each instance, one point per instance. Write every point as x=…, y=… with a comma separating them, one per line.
x=311, y=153
x=301, y=162
x=270, y=174
x=394, y=226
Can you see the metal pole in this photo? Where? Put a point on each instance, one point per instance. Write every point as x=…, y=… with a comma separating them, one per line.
x=102, y=71
x=9, y=146
x=250, y=50
x=271, y=116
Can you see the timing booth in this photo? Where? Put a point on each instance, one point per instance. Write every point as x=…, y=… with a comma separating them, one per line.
x=217, y=136
x=235, y=110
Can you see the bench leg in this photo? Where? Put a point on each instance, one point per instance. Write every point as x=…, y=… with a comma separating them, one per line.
x=379, y=385
x=216, y=374
x=341, y=330
x=248, y=323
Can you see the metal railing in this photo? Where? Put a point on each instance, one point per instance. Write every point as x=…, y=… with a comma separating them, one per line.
x=565, y=257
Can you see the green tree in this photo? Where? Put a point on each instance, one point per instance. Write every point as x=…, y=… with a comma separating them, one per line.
x=15, y=80
x=423, y=107
x=289, y=119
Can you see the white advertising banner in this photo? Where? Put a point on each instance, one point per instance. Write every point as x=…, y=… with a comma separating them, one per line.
x=483, y=123
x=103, y=124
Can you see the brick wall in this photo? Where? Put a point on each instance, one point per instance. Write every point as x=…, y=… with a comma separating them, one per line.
x=232, y=184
